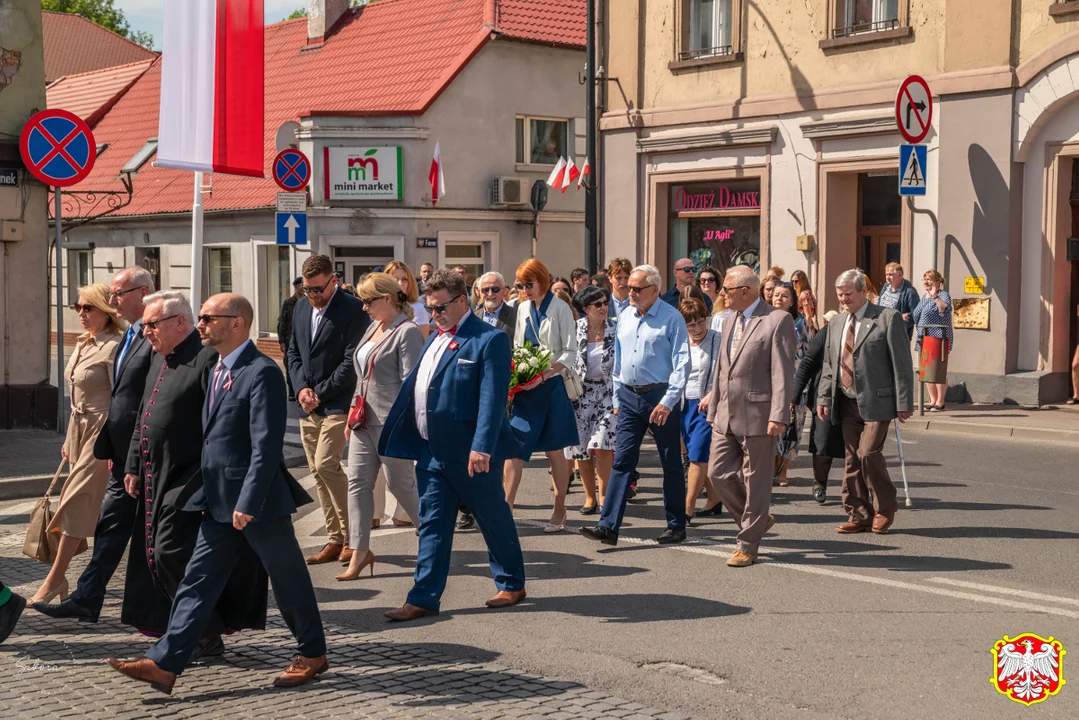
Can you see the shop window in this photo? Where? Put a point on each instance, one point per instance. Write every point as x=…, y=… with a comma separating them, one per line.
x=150, y=258
x=716, y=224
x=541, y=141
x=472, y=255
x=276, y=267
x=219, y=270
x=80, y=265
x=352, y=263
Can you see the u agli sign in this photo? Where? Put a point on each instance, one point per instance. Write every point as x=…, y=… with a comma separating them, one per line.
x=720, y=198
x=363, y=173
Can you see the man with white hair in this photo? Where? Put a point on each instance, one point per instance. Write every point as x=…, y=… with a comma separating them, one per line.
x=651, y=354
x=495, y=311
x=749, y=406
x=127, y=293
x=867, y=382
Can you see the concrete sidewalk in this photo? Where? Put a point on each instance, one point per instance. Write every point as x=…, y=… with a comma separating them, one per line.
x=1053, y=423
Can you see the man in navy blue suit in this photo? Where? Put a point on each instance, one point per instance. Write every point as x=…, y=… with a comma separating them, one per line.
x=247, y=494
x=450, y=417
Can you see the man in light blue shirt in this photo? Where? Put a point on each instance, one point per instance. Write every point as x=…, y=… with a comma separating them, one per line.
x=651, y=357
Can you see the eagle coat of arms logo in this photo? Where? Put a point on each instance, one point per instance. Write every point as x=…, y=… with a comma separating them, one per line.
x=1028, y=669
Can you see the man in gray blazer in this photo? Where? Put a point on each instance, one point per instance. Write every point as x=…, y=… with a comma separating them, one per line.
x=867, y=382
x=495, y=311
x=749, y=406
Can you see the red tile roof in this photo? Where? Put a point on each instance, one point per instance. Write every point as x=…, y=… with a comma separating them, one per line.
x=90, y=95
x=74, y=45
x=392, y=57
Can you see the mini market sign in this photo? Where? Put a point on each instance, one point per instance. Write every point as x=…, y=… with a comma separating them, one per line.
x=364, y=173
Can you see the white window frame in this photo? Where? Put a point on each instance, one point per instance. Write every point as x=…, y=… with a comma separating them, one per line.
x=721, y=28
x=527, y=129
x=233, y=264
x=261, y=283
x=881, y=14
x=329, y=242
x=487, y=241
x=73, y=284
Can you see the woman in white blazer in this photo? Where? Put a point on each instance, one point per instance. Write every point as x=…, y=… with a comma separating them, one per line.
x=542, y=418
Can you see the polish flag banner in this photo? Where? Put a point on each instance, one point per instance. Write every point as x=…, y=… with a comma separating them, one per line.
x=571, y=175
x=438, y=180
x=585, y=172
x=212, y=87
x=558, y=174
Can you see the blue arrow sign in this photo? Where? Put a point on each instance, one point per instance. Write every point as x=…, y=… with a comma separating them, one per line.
x=912, y=170
x=291, y=228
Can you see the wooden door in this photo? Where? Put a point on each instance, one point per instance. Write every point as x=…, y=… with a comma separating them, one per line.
x=877, y=246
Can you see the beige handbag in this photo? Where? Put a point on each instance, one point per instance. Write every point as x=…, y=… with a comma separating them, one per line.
x=574, y=386
x=40, y=544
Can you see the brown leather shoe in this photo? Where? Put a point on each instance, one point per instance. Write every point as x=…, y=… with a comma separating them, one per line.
x=740, y=558
x=506, y=598
x=409, y=612
x=328, y=553
x=850, y=527
x=147, y=671
x=883, y=521
x=346, y=554
x=771, y=522
x=302, y=670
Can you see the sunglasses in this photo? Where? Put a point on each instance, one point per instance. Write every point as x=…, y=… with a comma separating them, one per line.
x=638, y=290
x=208, y=319
x=705, y=280
x=316, y=290
x=80, y=309
x=491, y=290
x=727, y=290
x=525, y=286
x=441, y=308
x=152, y=325
x=687, y=270
x=117, y=293
x=600, y=304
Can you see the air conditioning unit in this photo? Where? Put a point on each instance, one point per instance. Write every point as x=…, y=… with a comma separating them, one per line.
x=509, y=191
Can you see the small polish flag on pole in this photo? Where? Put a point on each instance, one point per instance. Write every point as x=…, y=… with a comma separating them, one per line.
x=558, y=174
x=437, y=178
x=585, y=172
x=572, y=173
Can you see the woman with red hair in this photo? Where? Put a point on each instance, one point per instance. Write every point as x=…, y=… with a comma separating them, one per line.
x=542, y=418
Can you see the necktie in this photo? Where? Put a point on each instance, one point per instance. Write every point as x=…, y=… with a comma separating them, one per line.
x=451, y=331
x=846, y=366
x=219, y=372
x=736, y=338
x=123, y=350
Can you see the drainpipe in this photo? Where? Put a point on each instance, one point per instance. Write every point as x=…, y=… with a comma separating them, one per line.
x=933, y=264
x=590, y=248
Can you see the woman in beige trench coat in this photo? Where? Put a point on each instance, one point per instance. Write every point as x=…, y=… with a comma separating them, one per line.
x=89, y=375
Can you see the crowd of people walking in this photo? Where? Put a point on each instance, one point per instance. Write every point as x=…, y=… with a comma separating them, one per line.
x=176, y=436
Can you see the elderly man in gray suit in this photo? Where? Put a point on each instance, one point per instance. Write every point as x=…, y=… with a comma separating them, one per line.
x=866, y=383
x=495, y=311
x=749, y=406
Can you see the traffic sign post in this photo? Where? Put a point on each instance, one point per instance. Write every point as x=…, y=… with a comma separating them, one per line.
x=291, y=170
x=914, y=109
x=291, y=228
x=58, y=149
x=912, y=170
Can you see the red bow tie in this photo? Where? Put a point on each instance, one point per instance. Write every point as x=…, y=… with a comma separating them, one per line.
x=451, y=331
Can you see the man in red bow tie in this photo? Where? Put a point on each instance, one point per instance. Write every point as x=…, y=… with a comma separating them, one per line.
x=450, y=417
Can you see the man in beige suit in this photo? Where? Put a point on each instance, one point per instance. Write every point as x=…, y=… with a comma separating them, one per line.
x=749, y=406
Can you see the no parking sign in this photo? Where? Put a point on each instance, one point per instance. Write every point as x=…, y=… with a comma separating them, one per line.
x=58, y=148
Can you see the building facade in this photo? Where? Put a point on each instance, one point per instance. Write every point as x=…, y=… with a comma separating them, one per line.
x=502, y=99
x=763, y=132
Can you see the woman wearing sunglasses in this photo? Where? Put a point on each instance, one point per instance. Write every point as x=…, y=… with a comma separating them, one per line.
x=542, y=418
x=89, y=375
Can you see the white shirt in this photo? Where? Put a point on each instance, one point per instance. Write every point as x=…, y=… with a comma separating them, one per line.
x=719, y=318
x=594, y=369
x=420, y=316
x=424, y=375
x=316, y=316
x=363, y=356
x=696, y=366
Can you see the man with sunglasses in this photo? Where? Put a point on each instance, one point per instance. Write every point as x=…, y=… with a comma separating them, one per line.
x=327, y=325
x=651, y=356
x=495, y=311
x=127, y=293
x=685, y=274
x=450, y=417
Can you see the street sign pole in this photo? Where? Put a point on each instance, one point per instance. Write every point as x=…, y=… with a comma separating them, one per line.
x=60, y=384
x=196, y=246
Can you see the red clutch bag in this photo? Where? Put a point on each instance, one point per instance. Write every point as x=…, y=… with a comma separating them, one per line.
x=357, y=417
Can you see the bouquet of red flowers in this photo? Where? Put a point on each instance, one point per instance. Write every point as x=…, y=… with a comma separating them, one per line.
x=528, y=364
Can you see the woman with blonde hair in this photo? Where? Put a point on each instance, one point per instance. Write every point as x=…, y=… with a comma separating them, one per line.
x=807, y=301
x=542, y=418
x=385, y=356
x=89, y=374
x=411, y=288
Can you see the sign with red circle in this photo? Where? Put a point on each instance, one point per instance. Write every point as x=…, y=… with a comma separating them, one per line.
x=291, y=170
x=914, y=109
x=58, y=148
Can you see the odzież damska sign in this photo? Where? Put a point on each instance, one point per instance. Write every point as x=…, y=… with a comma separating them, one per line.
x=721, y=198
x=363, y=173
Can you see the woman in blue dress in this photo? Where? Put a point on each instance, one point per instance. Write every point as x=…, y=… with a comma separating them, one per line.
x=784, y=298
x=542, y=418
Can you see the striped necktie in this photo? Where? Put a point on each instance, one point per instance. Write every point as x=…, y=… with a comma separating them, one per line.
x=846, y=367
x=736, y=338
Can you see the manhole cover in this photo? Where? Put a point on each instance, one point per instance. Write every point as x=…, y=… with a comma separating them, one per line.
x=685, y=672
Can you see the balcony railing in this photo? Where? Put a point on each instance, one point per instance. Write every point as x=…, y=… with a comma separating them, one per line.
x=865, y=27
x=716, y=51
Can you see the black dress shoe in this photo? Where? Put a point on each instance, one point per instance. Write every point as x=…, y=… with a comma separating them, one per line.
x=819, y=494
x=604, y=535
x=671, y=537
x=716, y=509
x=590, y=509
x=9, y=615
x=210, y=647
x=67, y=609
x=467, y=521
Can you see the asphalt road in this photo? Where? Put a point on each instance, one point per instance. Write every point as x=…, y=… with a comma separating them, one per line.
x=891, y=626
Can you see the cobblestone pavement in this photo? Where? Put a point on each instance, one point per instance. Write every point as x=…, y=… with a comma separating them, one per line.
x=56, y=669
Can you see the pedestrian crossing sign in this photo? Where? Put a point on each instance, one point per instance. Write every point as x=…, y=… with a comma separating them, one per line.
x=912, y=169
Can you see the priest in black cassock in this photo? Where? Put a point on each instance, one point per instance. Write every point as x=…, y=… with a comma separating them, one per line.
x=163, y=471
